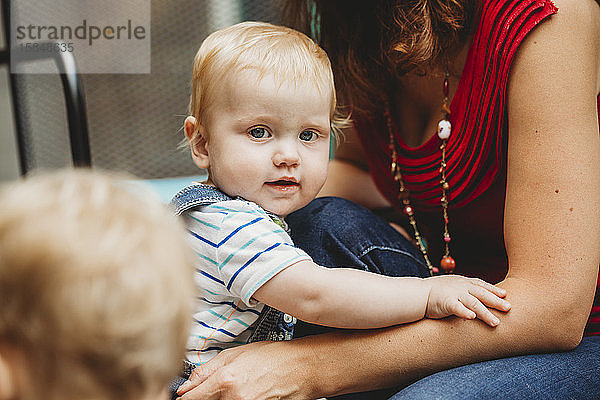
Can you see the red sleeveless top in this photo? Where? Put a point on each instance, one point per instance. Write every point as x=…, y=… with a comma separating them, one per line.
x=476, y=150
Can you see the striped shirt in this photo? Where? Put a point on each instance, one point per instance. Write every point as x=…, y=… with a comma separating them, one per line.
x=238, y=248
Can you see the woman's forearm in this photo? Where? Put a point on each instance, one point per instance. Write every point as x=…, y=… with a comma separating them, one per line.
x=351, y=361
x=366, y=360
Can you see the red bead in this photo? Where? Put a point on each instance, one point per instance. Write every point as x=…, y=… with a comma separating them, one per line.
x=448, y=264
x=435, y=270
x=447, y=239
x=446, y=87
x=408, y=210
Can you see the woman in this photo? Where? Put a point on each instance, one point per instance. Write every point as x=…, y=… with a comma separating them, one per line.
x=508, y=190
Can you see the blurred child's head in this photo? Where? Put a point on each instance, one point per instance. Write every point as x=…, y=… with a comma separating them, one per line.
x=96, y=289
x=268, y=85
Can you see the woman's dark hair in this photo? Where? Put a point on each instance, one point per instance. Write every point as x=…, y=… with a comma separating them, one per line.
x=371, y=41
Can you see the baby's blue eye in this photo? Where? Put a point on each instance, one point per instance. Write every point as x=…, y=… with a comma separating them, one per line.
x=308, y=136
x=259, y=133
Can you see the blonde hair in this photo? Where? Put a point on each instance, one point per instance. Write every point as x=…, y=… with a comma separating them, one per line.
x=268, y=49
x=96, y=286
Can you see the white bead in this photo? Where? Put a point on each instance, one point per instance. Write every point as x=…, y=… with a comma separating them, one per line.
x=444, y=128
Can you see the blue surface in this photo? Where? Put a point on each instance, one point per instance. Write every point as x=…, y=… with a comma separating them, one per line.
x=166, y=188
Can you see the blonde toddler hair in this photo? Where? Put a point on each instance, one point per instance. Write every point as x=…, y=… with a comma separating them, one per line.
x=96, y=287
x=286, y=53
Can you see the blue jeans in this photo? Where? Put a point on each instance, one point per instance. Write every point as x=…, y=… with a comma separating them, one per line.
x=558, y=376
x=336, y=232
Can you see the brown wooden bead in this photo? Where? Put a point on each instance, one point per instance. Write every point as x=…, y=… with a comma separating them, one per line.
x=446, y=109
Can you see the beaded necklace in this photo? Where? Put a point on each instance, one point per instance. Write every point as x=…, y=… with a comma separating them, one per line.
x=447, y=263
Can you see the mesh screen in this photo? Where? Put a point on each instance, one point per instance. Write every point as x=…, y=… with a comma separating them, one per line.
x=43, y=121
x=135, y=120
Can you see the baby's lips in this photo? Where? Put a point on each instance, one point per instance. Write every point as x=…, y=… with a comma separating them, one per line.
x=283, y=182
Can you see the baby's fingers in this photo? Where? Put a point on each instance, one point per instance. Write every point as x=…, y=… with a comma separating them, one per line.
x=489, y=299
x=498, y=291
x=481, y=311
x=457, y=308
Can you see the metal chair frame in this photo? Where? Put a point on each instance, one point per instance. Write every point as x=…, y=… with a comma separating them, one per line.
x=73, y=92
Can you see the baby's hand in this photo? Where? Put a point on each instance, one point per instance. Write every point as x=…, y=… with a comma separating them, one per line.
x=464, y=297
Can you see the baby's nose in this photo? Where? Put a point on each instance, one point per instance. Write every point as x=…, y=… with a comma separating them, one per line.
x=286, y=155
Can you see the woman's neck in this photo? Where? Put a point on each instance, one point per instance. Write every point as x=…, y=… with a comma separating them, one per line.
x=417, y=99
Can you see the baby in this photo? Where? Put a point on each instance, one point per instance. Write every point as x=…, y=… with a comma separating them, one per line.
x=262, y=108
x=96, y=291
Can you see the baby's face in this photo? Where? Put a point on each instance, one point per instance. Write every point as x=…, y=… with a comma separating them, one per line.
x=269, y=143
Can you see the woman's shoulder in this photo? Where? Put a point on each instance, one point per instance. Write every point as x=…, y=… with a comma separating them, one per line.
x=566, y=50
x=571, y=36
x=513, y=17
x=525, y=14
x=502, y=28
x=545, y=26
x=576, y=16
x=581, y=7
x=500, y=11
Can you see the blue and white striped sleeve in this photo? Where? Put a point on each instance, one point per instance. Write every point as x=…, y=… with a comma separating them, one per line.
x=252, y=249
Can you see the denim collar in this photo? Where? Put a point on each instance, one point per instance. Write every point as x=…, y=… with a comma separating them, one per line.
x=201, y=194
x=198, y=194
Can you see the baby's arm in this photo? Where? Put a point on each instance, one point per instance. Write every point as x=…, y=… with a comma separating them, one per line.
x=349, y=298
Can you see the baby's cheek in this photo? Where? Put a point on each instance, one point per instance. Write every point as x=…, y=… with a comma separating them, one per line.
x=311, y=190
x=321, y=175
x=224, y=178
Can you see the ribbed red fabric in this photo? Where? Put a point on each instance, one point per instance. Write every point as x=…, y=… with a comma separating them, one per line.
x=476, y=150
x=479, y=125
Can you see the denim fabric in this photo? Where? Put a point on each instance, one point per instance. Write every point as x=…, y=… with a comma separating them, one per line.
x=557, y=376
x=195, y=196
x=186, y=370
x=339, y=233
x=273, y=325
x=336, y=232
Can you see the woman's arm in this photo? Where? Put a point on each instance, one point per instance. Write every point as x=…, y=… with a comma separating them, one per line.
x=349, y=177
x=551, y=231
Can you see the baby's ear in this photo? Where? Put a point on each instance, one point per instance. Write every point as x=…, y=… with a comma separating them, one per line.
x=196, y=136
